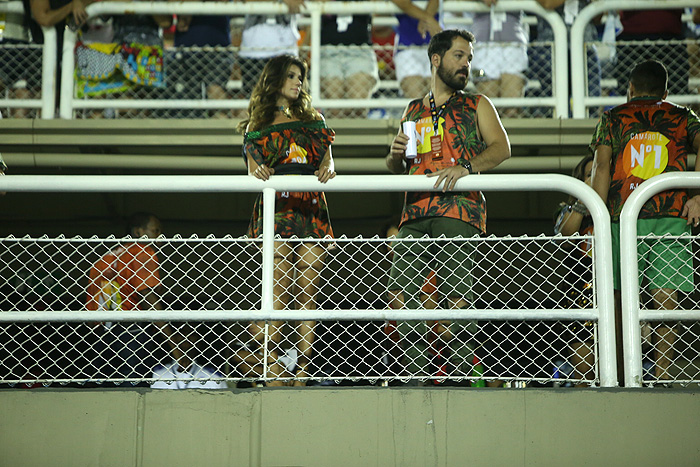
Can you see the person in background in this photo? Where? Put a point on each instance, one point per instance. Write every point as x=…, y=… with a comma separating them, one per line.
x=285, y=135
x=349, y=68
x=573, y=217
x=127, y=279
x=201, y=73
x=20, y=74
x=648, y=123
x=501, y=58
x=541, y=55
x=264, y=37
x=665, y=28
x=416, y=26
x=58, y=13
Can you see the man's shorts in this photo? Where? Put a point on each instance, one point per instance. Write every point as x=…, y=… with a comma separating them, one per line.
x=451, y=260
x=344, y=61
x=666, y=263
x=496, y=59
x=412, y=61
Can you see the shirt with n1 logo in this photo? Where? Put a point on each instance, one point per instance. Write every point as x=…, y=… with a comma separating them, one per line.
x=648, y=137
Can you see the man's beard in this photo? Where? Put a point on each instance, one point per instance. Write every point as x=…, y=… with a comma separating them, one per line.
x=450, y=78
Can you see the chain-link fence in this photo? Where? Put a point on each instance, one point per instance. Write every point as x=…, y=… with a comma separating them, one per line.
x=659, y=300
x=201, y=275
x=20, y=78
x=618, y=50
x=670, y=347
x=347, y=81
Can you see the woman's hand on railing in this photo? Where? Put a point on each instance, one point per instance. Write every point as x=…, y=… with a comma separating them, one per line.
x=324, y=174
x=263, y=172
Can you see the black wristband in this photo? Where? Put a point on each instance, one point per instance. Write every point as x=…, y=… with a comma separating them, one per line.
x=467, y=165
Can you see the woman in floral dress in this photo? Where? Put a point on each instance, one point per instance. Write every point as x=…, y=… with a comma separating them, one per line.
x=284, y=135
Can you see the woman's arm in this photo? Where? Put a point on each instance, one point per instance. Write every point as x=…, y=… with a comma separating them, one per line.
x=570, y=219
x=326, y=170
x=261, y=172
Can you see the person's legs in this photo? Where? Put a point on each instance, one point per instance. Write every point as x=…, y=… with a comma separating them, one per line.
x=664, y=299
x=413, y=72
x=310, y=263
x=217, y=92
x=281, y=290
x=489, y=87
x=21, y=93
x=408, y=272
x=361, y=77
x=454, y=266
x=670, y=270
x=512, y=85
x=359, y=86
x=414, y=87
x=583, y=361
x=333, y=88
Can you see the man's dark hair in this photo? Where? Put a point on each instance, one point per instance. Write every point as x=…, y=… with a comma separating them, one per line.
x=649, y=78
x=139, y=220
x=442, y=41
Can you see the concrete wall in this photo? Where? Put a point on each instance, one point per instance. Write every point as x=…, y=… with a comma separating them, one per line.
x=349, y=427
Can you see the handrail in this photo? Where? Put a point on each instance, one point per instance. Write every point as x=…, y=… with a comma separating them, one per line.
x=315, y=10
x=631, y=333
x=578, y=53
x=49, y=65
x=359, y=183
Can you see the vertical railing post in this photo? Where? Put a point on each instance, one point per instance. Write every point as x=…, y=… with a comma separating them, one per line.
x=67, y=73
x=315, y=77
x=49, y=69
x=631, y=329
x=605, y=295
x=268, y=264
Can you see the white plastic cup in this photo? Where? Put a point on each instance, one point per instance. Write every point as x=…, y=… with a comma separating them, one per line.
x=409, y=129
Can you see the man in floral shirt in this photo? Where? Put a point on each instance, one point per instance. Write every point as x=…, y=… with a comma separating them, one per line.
x=633, y=142
x=458, y=134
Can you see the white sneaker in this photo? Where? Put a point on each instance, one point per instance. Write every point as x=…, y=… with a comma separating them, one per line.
x=195, y=377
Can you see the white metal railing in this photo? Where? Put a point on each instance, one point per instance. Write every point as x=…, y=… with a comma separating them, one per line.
x=632, y=315
x=602, y=312
x=580, y=102
x=47, y=102
x=559, y=101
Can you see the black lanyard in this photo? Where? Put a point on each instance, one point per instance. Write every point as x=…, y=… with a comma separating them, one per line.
x=437, y=114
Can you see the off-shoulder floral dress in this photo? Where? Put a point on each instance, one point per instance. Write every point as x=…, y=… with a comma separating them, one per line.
x=297, y=214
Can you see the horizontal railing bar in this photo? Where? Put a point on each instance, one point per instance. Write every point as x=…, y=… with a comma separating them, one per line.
x=244, y=183
x=669, y=315
x=296, y=315
x=208, y=239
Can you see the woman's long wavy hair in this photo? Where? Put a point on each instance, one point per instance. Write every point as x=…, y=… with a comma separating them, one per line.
x=263, y=101
x=579, y=172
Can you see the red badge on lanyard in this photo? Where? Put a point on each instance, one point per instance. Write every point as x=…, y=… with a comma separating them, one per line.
x=435, y=140
x=436, y=147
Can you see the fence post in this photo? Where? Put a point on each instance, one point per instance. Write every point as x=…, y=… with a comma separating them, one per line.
x=49, y=69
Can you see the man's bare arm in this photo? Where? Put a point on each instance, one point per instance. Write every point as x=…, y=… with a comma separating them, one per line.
x=493, y=134
x=601, y=171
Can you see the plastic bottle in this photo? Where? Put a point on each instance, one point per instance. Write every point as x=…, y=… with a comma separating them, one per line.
x=477, y=372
